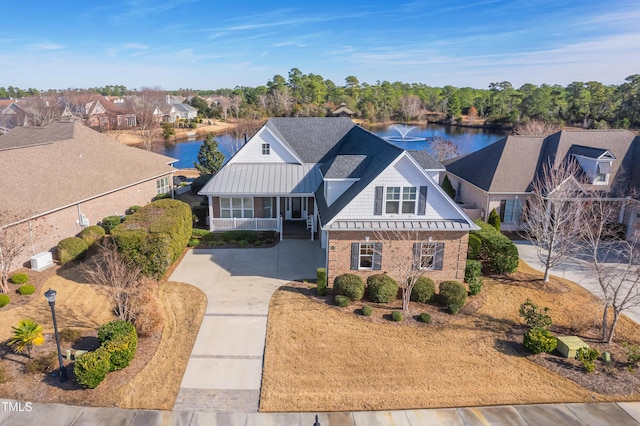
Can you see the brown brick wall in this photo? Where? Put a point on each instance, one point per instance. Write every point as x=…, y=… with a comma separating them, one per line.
x=48, y=230
x=397, y=253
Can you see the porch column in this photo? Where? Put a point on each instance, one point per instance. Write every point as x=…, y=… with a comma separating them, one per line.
x=210, y=198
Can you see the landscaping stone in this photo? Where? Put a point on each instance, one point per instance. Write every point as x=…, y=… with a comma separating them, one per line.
x=568, y=345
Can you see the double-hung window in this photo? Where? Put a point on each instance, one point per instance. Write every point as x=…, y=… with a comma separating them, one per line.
x=236, y=207
x=392, y=205
x=428, y=255
x=409, y=199
x=366, y=255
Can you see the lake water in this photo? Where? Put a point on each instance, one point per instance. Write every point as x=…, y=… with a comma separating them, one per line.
x=467, y=139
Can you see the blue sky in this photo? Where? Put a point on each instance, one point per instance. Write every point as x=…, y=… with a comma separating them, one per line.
x=209, y=44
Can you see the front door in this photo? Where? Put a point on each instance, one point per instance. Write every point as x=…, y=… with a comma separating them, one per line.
x=296, y=208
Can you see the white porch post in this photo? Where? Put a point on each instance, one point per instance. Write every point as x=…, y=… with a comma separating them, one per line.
x=210, y=198
x=313, y=214
x=280, y=225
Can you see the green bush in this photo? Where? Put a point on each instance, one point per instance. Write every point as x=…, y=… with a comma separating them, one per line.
x=154, y=237
x=367, y=311
x=472, y=271
x=120, y=340
x=349, y=285
x=91, y=368
x=163, y=196
x=19, y=278
x=239, y=235
x=72, y=248
x=4, y=300
x=258, y=243
x=397, y=316
x=110, y=222
x=533, y=316
x=26, y=289
x=423, y=290
x=212, y=236
x=475, y=244
x=42, y=364
x=92, y=234
x=499, y=253
x=132, y=210
x=538, y=340
x=494, y=219
x=321, y=279
x=69, y=335
x=633, y=355
x=452, y=295
x=200, y=233
x=475, y=288
x=342, y=301
x=425, y=317
x=587, y=357
x=193, y=242
x=381, y=288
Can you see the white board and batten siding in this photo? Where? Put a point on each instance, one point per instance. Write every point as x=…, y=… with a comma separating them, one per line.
x=403, y=173
x=251, y=152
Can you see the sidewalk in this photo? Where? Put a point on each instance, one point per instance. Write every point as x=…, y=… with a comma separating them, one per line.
x=573, y=269
x=619, y=414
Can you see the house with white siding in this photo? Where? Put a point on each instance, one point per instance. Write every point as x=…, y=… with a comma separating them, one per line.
x=363, y=197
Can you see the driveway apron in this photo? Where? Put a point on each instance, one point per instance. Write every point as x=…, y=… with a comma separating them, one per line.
x=224, y=372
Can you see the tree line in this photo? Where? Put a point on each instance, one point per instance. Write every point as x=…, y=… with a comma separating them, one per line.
x=585, y=104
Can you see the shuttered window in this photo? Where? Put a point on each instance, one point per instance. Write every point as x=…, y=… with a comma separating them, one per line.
x=366, y=255
x=428, y=256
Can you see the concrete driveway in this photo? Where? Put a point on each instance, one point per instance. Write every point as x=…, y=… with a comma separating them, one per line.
x=574, y=269
x=224, y=372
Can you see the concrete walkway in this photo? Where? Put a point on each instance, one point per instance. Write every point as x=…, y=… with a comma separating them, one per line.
x=618, y=414
x=573, y=269
x=224, y=372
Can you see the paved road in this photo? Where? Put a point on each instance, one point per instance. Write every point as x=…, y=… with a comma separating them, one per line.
x=224, y=372
x=618, y=414
x=573, y=269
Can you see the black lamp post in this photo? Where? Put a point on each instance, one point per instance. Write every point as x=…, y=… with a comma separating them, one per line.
x=51, y=298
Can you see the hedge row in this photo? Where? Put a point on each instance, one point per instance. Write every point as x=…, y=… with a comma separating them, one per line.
x=497, y=251
x=154, y=236
x=72, y=248
x=118, y=344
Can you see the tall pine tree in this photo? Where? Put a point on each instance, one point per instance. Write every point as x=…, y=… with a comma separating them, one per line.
x=210, y=158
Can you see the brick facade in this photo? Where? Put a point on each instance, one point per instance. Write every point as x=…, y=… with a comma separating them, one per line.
x=47, y=230
x=397, y=253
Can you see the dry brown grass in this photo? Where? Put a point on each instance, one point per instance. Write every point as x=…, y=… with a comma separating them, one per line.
x=323, y=358
x=151, y=381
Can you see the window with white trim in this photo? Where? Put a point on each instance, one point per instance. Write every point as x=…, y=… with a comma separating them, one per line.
x=392, y=200
x=428, y=255
x=266, y=149
x=162, y=185
x=409, y=195
x=240, y=207
x=366, y=256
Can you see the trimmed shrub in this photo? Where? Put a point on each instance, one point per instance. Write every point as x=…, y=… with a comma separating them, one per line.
x=321, y=279
x=494, y=219
x=91, y=368
x=500, y=254
x=91, y=234
x=69, y=335
x=472, y=275
x=4, y=300
x=154, y=237
x=200, y=233
x=587, y=357
x=120, y=339
x=193, y=242
x=110, y=222
x=132, y=210
x=349, y=285
x=538, y=340
x=72, y=248
x=367, y=311
x=240, y=235
x=425, y=317
x=19, y=278
x=212, y=236
x=397, y=316
x=26, y=289
x=423, y=290
x=342, y=301
x=452, y=295
x=475, y=288
x=475, y=244
x=42, y=364
x=381, y=288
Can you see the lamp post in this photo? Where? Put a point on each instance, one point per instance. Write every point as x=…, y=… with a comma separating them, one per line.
x=51, y=298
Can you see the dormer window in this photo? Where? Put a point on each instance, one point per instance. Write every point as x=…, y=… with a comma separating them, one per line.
x=266, y=149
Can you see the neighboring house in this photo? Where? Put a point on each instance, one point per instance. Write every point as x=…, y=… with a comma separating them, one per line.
x=368, y=200
x=343, y=111
x=58, y=179
x=500, y=175
x=183, y=111
x=99, y=112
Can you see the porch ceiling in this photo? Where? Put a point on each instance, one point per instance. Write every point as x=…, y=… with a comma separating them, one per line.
x=259, y=179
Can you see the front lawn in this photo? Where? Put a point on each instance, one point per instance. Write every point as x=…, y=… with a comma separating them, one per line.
x=319, y=357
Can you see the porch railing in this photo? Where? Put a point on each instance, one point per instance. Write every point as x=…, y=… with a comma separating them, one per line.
x=248, y=224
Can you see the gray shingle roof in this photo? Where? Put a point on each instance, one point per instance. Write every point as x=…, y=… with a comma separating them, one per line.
x=512, y=163
x=344, y=166
x=72, y=163
x=587, y=151
x=426, y=160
